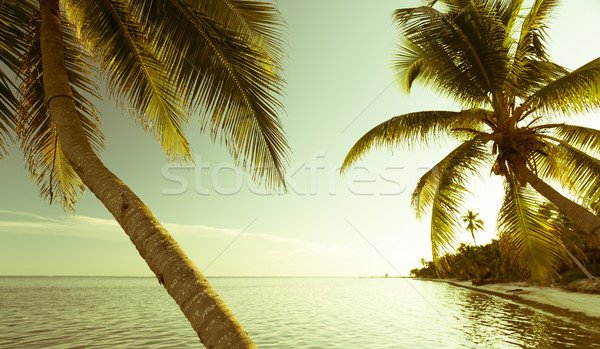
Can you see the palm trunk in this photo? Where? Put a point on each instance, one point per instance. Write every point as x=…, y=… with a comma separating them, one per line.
x=585, y=220
x=580, y=266
x=210, y=317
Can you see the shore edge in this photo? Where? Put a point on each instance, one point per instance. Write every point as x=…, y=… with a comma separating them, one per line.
x=584, y=306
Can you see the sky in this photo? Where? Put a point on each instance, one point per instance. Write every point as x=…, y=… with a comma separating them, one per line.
x=339, y=86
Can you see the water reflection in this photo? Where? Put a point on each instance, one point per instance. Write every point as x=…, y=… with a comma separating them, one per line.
x=280, y=313
x=489, y=321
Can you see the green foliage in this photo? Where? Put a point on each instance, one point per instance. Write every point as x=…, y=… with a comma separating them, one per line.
x=45, y=160
x=529, y=234
x=12, y=46
x=473, y=223
x=491, y=57
x=576, y=274
x=488, y=263
x=166, y=61
x=471, y=263
x=134, y=70
x=443, y=189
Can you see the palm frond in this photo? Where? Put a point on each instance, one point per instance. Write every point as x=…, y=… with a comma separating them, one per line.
x=532, y=40
x=134, y=73
x=577, y=91
x=8, y=105
x=584, y=138
x=259, y=21
x=529, y=240
x=531, y=68
x=577, y=171
x=460, y=53
x=568, y=231
x=528, y=76
x=46, y=163
x=232, y=76
x=442, y=191
x=508, y=10
x=422, y=127
x=12, y=15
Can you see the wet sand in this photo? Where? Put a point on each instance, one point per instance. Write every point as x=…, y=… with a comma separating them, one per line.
x=585, y=303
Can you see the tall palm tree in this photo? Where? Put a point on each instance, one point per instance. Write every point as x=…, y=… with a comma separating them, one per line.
x=165, y=60
x=490, y=56
x=473, y=223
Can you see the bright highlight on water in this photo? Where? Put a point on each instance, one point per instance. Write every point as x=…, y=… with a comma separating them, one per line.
x=88, y=312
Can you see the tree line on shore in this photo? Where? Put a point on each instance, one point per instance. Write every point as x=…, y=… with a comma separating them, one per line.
x=580, y=257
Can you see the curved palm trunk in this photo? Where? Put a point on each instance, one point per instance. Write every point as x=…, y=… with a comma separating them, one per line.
x=585, y=220
x=210, y=317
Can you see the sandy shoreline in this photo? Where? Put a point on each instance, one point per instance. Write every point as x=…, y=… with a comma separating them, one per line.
x=584, y=303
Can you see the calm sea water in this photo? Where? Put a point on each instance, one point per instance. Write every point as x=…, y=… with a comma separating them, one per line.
x=92, y=312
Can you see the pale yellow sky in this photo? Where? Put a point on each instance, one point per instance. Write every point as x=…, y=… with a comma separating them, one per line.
x=339, y=87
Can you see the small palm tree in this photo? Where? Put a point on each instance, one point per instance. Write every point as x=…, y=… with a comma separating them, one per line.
x=490, y=56
x=473, y=223
x=166, y=60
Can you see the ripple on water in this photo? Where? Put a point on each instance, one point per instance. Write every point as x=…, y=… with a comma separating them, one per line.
x=315, y=313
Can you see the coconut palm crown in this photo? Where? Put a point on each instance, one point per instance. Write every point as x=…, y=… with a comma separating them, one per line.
x=473, y=223
x=491, y=57
x=165, y=61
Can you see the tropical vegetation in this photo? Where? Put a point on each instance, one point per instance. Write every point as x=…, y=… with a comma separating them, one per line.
x=486, y=264
x=491, y=57
x=580, y=260
x=473, y=223
x=166, y=61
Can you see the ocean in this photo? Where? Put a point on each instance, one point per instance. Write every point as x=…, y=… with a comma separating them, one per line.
x=279, y=312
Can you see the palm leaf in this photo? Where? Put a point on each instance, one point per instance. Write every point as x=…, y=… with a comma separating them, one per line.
x=461, y=53
x=442, y=191
x=584, y=138
x=508, y=10
x=233, y=77
x=568, y=231
x=46, y=163
x=259, y=21
x=134, y=72
x=577, y=171
x=577, y=91
x=529, y=240
x=533, y=31
x=413, y=128
x=8, y=105
x=12, y=32
x=531, y=68
x=12, y=15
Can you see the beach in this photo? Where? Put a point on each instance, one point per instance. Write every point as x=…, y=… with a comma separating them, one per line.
x=550, y=297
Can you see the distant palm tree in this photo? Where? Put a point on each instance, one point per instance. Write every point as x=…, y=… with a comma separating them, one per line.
x=166, y=60
x=473, y=223
x=490, y=56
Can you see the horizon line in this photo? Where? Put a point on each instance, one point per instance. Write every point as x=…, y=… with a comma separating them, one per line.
x=211, y=276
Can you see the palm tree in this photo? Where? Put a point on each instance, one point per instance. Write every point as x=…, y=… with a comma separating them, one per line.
x=473, y=223
x=165, y=60
x=570, y=237
x=490, y=56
